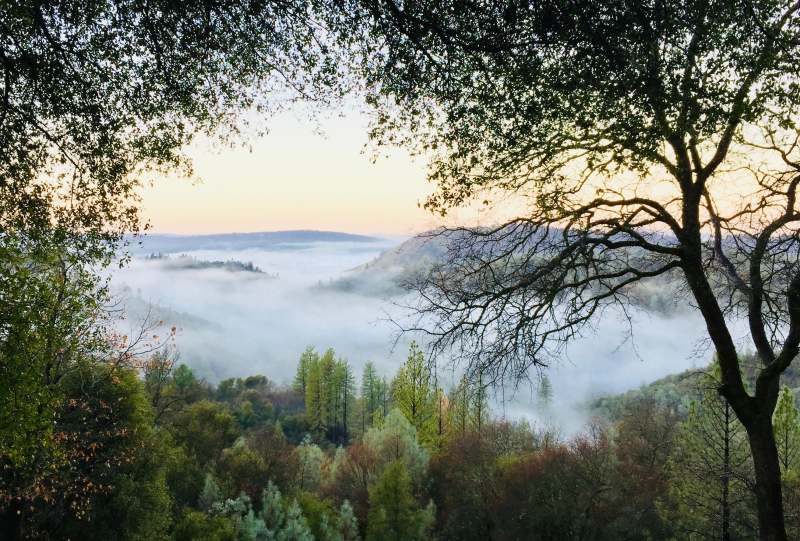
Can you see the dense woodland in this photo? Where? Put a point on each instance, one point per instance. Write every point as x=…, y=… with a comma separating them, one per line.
x=154, y=452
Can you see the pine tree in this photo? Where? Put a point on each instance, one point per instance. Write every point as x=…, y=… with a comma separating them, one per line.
x=314, y=397
x=370, y=395
x=413, y=394
x=394, y=514
x=396, y=440
x=460, y=407
x=545, y=392
x=308, y=358
x=468, y=406
x=210, y=495
x=272, y=511
x=309, y=460
x=480, y=404
x=786, y=422
x=348, y=524
x=328, y=393
x=296, y=527
x=711, y=470
x=328, y=529
x=345, y=391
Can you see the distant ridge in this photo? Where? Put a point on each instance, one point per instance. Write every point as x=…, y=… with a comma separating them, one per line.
x=239, y=241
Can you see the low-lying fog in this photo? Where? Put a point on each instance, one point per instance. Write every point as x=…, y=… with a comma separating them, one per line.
x=242, y=323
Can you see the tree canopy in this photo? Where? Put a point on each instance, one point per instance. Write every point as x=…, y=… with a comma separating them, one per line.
x=641, y=140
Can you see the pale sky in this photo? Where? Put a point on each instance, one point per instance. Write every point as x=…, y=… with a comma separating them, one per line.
x=295, y=178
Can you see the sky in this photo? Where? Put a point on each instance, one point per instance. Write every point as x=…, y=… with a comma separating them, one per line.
x=300, y=175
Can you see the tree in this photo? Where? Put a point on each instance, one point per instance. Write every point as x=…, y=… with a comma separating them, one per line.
x=205, y=428
x=348, y=524
x=413, y=394
x=623, y=128
x=345, y=398
x=196, y=526
x=370, y=395
x=394, y=515
x=310, y=459
x=122, y=88
x=98, y=97
x=787, y=430
x=397, y=441
x=243, y=470
x=307, y=359
x=106, y=478
x=643, y=445
x=710, y=470
x=787, y=437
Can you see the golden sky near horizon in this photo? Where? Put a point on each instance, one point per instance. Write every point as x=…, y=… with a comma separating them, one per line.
x=294, y=177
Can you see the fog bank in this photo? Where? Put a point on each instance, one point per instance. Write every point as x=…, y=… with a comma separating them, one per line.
x=239, y=323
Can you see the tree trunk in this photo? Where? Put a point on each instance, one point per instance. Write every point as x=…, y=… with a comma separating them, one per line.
x=768, y=479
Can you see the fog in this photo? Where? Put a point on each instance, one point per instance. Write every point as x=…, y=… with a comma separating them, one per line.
x=241, y=323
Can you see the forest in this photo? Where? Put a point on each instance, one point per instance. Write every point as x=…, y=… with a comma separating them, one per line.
x=158, y=453
x=601, y=148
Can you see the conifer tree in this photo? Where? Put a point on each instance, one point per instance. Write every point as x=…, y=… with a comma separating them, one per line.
x=296, y=527
x=394, y=514
x=786, y=422
x=370, y=394
x=210, y=495
x=413, y=395
x=309, y=460
x=544, y=392
x=348, y=524
x=328, y=392
x=314, y=397
x=711, y=470
x=307, y=359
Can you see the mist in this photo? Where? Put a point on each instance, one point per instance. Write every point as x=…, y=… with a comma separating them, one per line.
x=232, y=324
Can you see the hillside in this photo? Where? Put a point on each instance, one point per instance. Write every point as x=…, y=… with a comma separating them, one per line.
x=678, y=391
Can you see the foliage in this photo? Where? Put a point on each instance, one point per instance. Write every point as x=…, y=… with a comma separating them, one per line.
x=394, y=514
x=711, y=470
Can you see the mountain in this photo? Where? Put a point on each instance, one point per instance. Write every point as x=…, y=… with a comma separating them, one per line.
x=386, y=274
x=270, y=240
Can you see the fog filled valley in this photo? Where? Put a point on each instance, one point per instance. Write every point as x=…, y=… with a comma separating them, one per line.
x=430, y=270
x=345, y=295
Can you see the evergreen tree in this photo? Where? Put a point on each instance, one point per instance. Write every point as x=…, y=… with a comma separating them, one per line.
x=329, y=530
x=272, y=511
x=480, y=404
x=329, y=395
x=345, y=384
x=307, y=359
x=210, y=495
x=468, y=406
x=394, y=514
x=711, y=470
x=459, y=407
x=296, y=527
x=396, y=440
x=348, y=524
x=314, y=397
x=544, y=392
x=309, y=459
x=786, y=422
x=413, y=394
x=370, y=395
